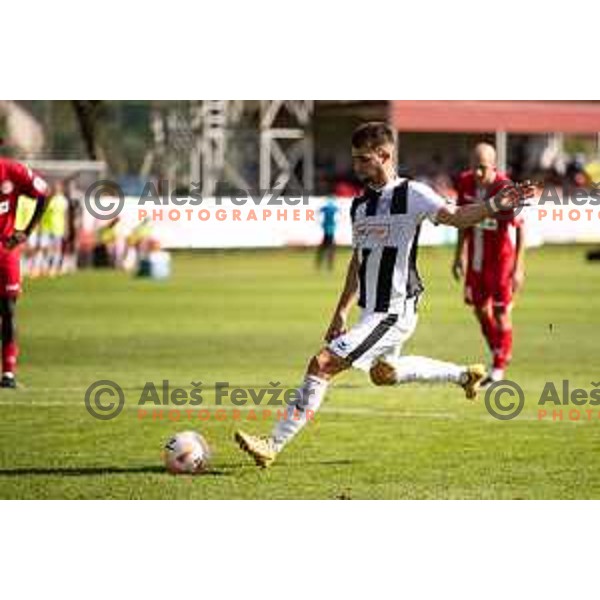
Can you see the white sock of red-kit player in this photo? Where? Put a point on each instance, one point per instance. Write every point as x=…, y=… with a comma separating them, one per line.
x=311, y=394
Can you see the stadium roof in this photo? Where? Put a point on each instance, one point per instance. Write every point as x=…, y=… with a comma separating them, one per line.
x=512, y=116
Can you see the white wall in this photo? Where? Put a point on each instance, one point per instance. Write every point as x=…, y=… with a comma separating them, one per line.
x=218, y=229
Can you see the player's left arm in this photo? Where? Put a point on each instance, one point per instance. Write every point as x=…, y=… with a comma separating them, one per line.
x=519, y=269
x=35, y=187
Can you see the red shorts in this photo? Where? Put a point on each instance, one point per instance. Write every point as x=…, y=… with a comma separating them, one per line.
x=10, y=273
x=488, y=286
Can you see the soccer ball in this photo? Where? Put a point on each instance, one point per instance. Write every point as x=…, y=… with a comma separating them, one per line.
x=186, y=452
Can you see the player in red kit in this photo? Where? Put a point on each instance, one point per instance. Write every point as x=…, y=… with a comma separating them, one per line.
x=490, y=256
x=15, y=180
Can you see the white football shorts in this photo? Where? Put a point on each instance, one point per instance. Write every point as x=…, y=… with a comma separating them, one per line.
x=376, y=335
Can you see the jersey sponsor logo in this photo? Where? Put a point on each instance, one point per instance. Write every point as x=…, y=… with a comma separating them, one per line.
x=13, y=287
x=7, y=187
x=373, y=233
x=488, y=225
x=39, y=185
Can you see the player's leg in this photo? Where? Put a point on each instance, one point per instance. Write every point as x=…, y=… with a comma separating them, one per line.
x=485, y=318
x=321, y=369
x=408, y=369
x=32, y=249
x=71, y=254
x=41, y=259
x=479, y=297
x=57, y=256
x=330, y=250
x=501, y=296
x=388, y=368
x=503, y=354
x=10, y=349
x=10, y=287
x=353, y=348
x=67, y=255
x=28, y=254
x=53, y=255
x=321, y=251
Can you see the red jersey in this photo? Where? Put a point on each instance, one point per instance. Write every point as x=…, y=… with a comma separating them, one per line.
x=490, y=244
x=16, y=180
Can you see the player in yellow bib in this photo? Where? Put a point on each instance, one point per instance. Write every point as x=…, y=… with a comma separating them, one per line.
x=52, y=232
x=137, y=244
x=25, y=210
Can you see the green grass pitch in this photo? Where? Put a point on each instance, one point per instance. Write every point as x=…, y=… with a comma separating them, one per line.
x=250, y=318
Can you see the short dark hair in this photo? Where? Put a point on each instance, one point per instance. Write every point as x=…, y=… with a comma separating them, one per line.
x=372, y=135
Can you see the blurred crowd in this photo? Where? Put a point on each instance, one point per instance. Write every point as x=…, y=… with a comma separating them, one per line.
x=559, y=169
x=563, y=171
x=68, y=238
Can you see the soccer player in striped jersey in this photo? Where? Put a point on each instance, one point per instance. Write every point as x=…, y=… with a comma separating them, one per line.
x=383, y=277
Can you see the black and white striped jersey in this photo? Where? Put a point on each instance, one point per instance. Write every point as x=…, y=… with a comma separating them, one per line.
x=385, y=232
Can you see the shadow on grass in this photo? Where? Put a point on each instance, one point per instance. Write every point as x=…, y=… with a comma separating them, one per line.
x=147, y=470
x=85, y=471
x=342, y=462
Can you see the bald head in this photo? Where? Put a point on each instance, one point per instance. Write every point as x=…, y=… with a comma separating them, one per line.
x=485, y=152
x=484, y=163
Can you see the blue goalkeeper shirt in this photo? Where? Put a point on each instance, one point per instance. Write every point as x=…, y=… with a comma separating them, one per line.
x=328, y=213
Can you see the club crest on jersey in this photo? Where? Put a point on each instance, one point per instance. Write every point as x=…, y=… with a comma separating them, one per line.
x=40, y=185
x=7, y=187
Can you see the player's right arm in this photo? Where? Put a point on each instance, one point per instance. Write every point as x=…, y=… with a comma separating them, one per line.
x=508, y=198
x=346, y=301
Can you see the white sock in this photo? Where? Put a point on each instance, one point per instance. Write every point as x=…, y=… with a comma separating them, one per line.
x=39, y=262
x=421, y=368
x=497, y=374
x=311, y=393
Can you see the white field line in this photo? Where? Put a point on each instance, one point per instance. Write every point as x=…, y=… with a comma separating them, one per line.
x=343, y=410
x=19, y=401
